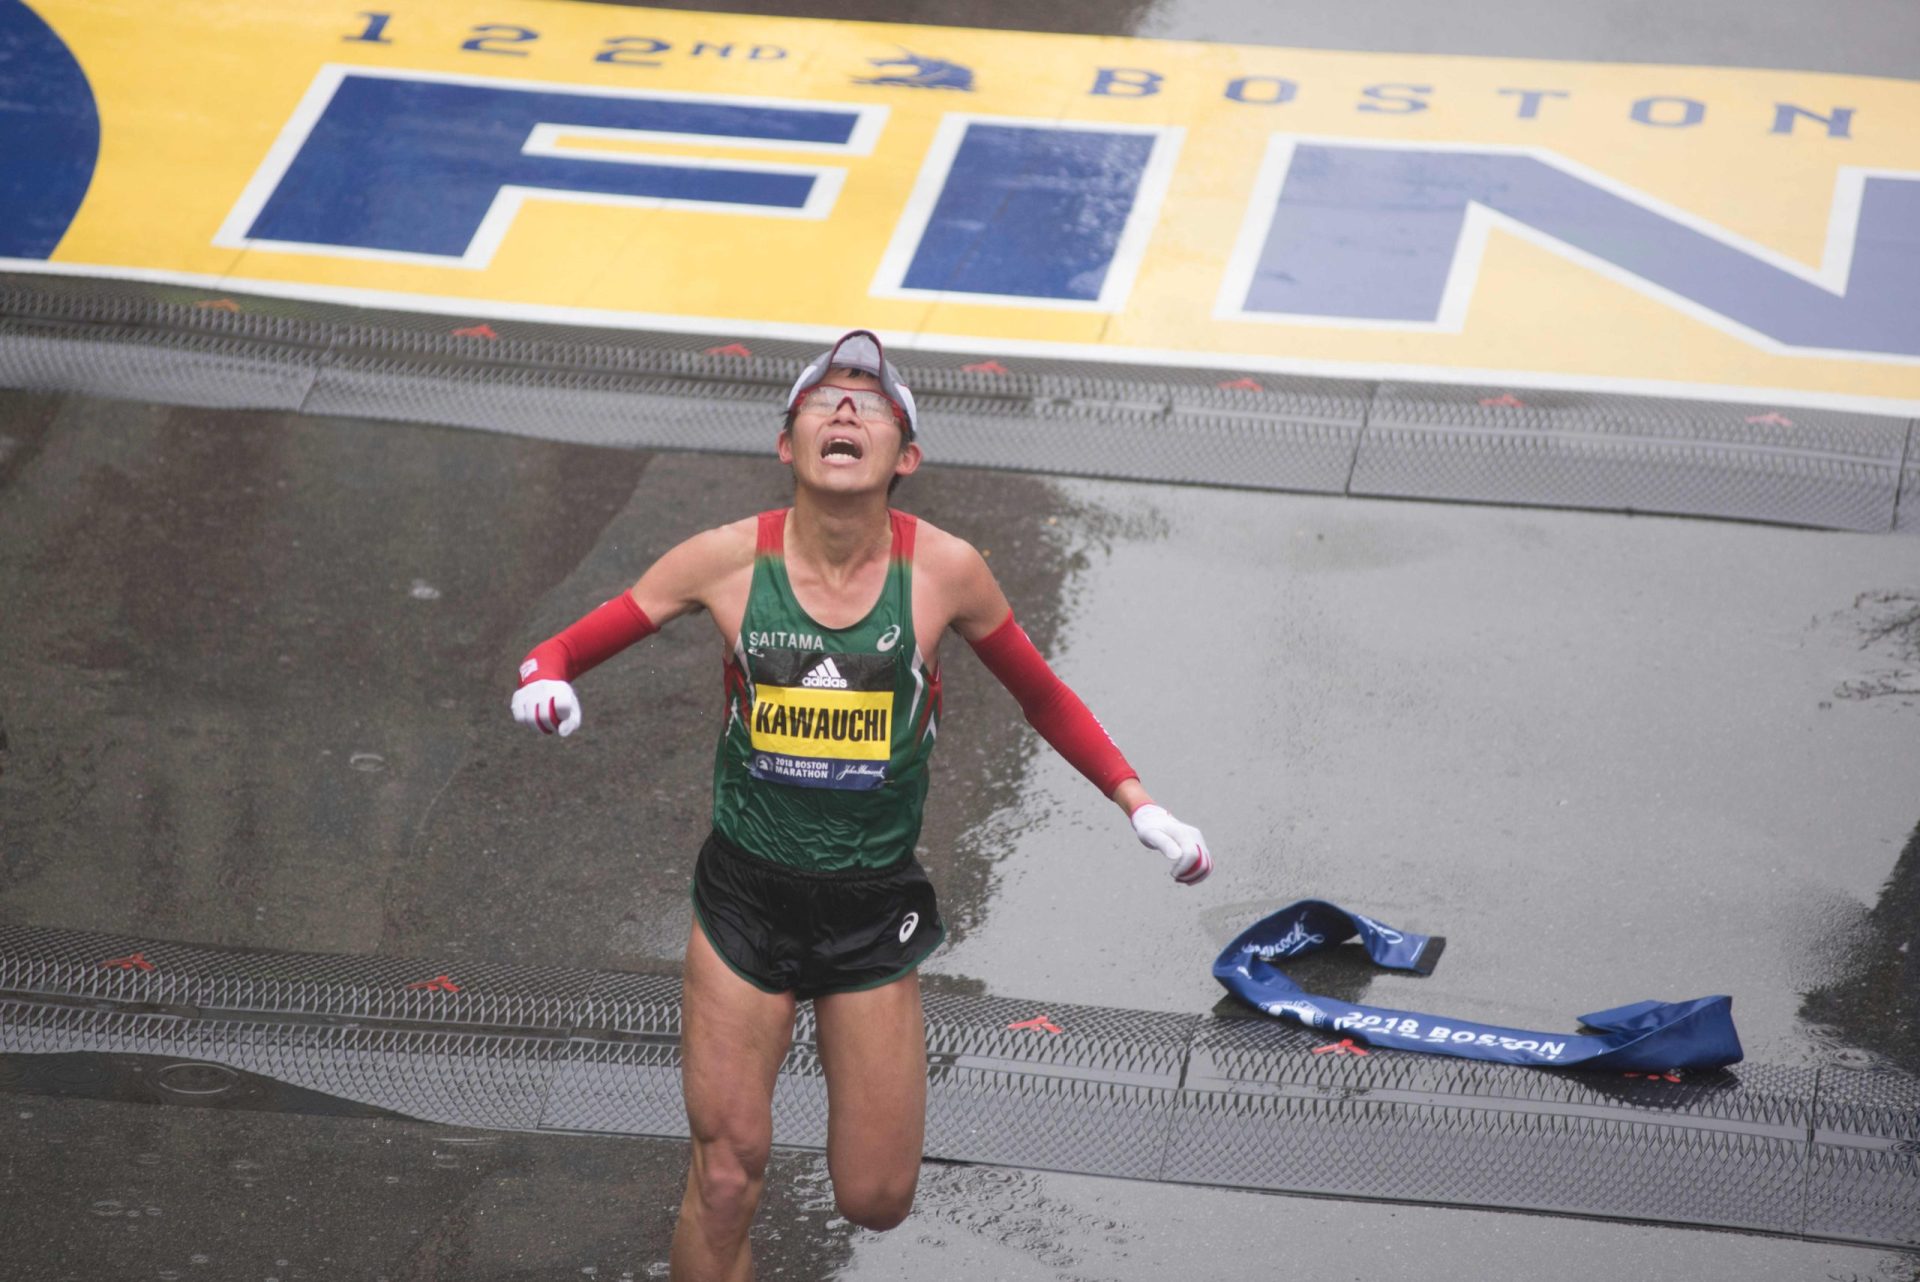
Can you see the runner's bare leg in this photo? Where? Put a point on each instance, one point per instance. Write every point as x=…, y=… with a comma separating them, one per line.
x=733, y=1038
x=873, y=1046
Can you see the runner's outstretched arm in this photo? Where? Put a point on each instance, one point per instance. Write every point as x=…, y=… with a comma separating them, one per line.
x=546, y=698
x=671, y=587
x=986, y=620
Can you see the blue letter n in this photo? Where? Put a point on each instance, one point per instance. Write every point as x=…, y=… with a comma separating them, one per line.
x=1372, y=234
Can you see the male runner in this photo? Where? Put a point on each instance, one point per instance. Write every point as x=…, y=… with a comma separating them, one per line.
x=830, y=613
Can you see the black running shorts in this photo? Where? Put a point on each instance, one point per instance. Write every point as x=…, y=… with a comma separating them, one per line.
x=809, y=933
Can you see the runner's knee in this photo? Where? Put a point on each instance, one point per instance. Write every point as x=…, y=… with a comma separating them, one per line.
x=728, y=1174
x=876, y=1206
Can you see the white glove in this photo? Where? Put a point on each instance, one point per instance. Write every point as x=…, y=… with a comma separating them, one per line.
x=547, y=706
x=1182, y=843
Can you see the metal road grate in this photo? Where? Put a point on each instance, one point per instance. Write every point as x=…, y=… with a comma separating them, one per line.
x=1218, y=427
x=1807, y=467
x=1245, y=1103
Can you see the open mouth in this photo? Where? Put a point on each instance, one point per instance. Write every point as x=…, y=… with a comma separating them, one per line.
x=841, y=447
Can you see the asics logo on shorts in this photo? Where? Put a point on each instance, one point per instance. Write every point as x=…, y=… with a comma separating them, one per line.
x=907, y=927
x=825, y=676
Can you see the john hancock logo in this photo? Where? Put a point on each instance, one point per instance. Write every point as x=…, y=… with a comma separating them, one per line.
x=1297, y=940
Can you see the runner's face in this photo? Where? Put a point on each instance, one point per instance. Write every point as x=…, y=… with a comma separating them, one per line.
x=840, y=443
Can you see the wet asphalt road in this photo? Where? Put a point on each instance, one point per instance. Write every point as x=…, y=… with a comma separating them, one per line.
x=255, y=694
x=262, y=668
x=253, y=674
x=258, y=1195
x=1611, y=755
x=257, y=681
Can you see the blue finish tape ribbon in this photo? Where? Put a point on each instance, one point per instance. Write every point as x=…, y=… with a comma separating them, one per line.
x=1649, y=1037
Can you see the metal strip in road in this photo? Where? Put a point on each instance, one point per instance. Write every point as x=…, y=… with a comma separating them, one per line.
x=1832, y=1153
x=1819, y=468
x=1809, y=467
x=1907, y=505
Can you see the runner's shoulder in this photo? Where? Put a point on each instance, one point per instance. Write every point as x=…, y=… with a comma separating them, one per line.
x=694, y=565
x=722, y=548
x=944, y=557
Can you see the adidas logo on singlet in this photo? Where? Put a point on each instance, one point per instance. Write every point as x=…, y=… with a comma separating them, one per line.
x=825, y=676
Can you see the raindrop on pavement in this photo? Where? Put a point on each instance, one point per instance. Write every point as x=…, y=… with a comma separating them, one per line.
x=368, y=761
x=423, y=591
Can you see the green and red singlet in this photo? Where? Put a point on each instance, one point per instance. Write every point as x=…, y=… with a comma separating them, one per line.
x=822, y=762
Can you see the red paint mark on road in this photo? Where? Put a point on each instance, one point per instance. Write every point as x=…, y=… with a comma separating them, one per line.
x=438, y=984
x=482, y=330
x=1039, y=1023
x=1504, y=401
x=1344, y=1046
x=1772, y=418
x=988, y=366
x=132, y=961
x=737, y=350
x=217, y=305
x=1240, y=385
x=1671, y=1075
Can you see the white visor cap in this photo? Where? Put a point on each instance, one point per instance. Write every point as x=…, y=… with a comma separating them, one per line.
x=858, y=349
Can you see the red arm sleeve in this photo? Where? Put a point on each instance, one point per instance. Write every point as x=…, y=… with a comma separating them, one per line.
x=1051, y=707
x=605, y=632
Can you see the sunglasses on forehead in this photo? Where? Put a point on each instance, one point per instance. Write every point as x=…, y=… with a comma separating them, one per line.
x=868, y=405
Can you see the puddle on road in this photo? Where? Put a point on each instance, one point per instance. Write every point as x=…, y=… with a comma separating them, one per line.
x=1871, y=1014
x=1012, y=1209
x=1589, y=750
x=1887, y=627
x=160, y=1079
x=1052, y=1227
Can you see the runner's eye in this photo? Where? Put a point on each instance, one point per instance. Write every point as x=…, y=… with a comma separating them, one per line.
x=868, y=405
